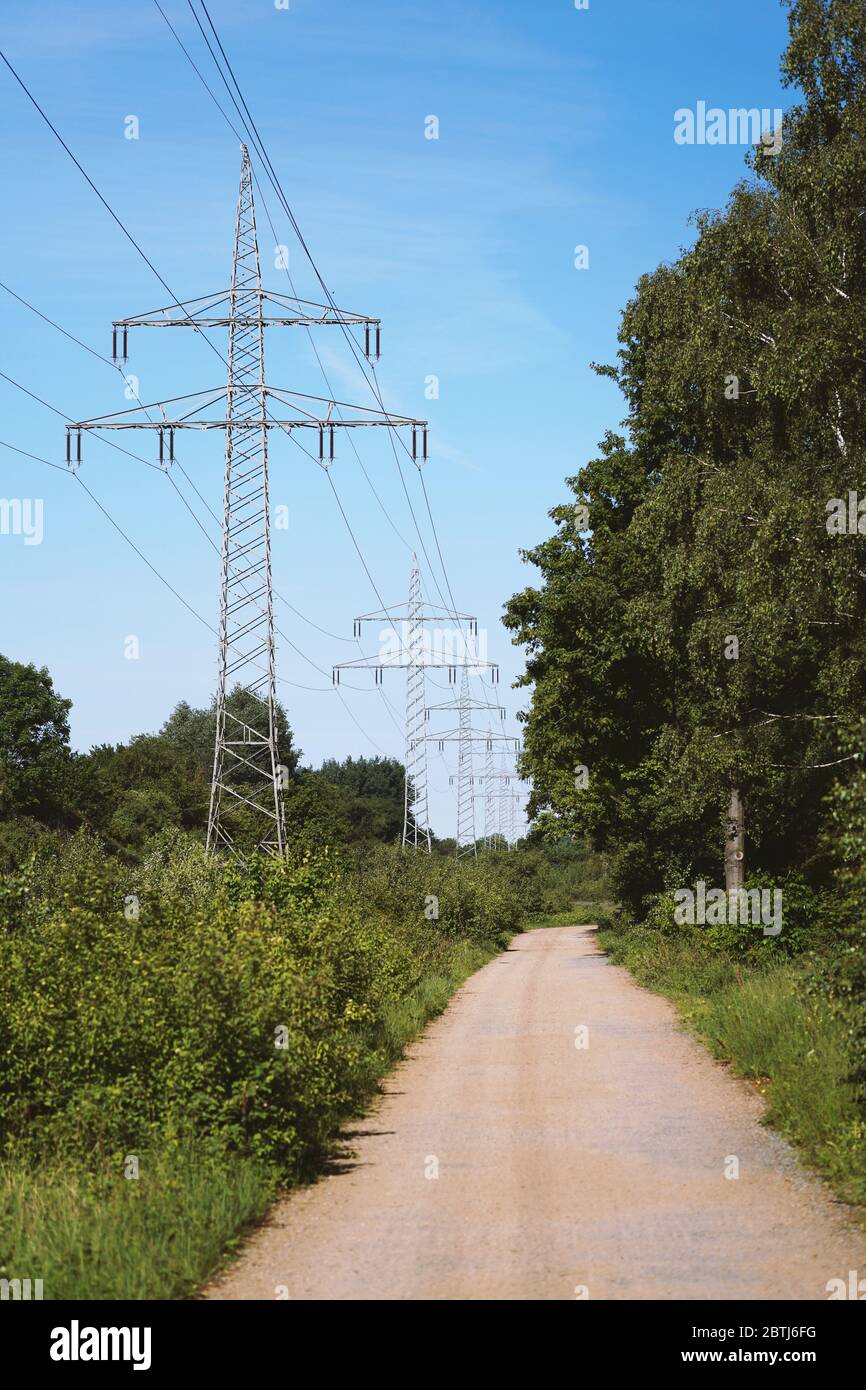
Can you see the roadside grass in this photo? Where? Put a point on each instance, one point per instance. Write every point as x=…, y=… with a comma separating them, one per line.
x=774, y=1029
x=405, y=1019
x=89, y=1232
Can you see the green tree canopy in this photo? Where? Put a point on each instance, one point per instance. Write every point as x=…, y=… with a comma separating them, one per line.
x=34, y=744
x=696, y=635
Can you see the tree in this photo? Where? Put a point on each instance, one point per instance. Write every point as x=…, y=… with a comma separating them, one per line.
x=191, y=733
x=129, y=791
x=372, y=790
x=34, y=744
x=696, y=638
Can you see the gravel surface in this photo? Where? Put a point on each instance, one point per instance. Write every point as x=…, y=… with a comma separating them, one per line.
x=504, y=1161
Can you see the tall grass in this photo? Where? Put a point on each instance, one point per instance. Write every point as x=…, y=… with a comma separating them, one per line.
x=773, y=1026
x=90, y=1233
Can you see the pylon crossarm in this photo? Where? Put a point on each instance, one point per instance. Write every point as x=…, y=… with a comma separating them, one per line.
x=304, y=404
x=471, y=736
x=470, y=704
x=197, y=313
x=267, y=422
x=446, y=663
x=398, y=610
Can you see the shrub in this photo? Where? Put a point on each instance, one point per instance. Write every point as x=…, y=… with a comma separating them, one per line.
x=249, y=1006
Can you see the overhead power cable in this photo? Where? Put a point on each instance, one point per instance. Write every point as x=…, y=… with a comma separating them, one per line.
x=255, y=139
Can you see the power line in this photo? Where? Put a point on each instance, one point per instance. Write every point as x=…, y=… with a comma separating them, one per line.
x=256, y=139
x=36, y=458
x=271, y=174
x=253, y=134
x=233, y=128
x=109, y=209
x=140, y=553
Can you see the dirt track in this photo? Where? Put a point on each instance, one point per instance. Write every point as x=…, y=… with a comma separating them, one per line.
x=559, y=1168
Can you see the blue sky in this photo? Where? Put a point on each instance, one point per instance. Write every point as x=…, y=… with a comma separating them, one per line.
x=555, y=130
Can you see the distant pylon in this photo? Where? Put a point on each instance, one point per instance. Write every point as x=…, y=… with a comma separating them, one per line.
x=465, y=802
x=416, y=818
x=466, y=738
x=414, y=655
x=489, y=797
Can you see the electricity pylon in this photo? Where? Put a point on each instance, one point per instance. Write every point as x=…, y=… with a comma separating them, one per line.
x=414, y=655
x=246, y=766
x=513, y=836
x=490, y=796
x=488, y=799
x=512, y=801
x=465, y=804
x=466, y=739
x=507, y=798
x=466, y=843
x=490, y=779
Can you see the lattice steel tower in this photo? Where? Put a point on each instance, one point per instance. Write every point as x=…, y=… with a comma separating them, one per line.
x=246, y=767
x=466, y=737
x=246, y=613
x=414, y=656
x=465, y=803
x=416, y=815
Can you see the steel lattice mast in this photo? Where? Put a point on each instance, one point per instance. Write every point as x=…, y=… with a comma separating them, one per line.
x=414, y=657
x=246, y=770
x=492, y=798
x=416, y=819
x=465, y=736
x=489, y=805
x=512, y=822
x=465, y=803
x=246, y=626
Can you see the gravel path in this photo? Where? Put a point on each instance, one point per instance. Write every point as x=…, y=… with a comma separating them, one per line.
x=504, y=1161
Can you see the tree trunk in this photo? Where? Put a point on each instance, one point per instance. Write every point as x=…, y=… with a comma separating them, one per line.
x=735, y=843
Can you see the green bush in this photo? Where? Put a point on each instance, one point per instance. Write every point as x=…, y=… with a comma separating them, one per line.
x=809, y=920
x=847, y=985
x=180, y=999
